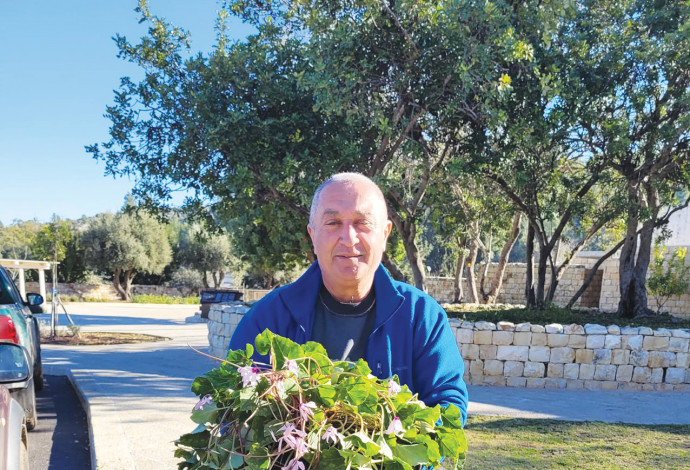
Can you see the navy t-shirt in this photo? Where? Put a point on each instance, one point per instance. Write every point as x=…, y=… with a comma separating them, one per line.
x=337, y=324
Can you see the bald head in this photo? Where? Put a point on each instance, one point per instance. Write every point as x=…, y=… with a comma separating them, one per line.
x=347, y=179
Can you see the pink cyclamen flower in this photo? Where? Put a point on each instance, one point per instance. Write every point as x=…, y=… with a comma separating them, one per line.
x=331, y=434
x=294, y=465
x=291, y=437
x=393, y=388
x=292, y=366
x=207, y=400
x=395, y=427
x=249, y=375
x=305, y=410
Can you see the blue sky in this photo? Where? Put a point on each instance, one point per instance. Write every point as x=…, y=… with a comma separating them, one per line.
x=58, y=70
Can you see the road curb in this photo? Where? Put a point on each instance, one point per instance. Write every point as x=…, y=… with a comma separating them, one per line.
x=105, y=437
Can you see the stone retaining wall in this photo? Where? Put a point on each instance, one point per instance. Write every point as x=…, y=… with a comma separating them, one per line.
x=107, y=291
x=592, y=357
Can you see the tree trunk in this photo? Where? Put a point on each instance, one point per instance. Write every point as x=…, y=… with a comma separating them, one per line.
x=472, y=294
x=635, y=258
x=530, y=300
x=118, y=287
x=497, y=281
x=204, y=279
x=593, y=273
x=214, y=276
x=458, y=293
x=541, y=277
x=407, y=231
x=393, y=268
x=221, y=276
x=129, y=277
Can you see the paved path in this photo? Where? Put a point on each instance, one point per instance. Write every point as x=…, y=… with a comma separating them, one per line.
x=138, y=396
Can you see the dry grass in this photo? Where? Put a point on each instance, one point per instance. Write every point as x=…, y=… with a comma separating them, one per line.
x=501, y=443
x=99, y=338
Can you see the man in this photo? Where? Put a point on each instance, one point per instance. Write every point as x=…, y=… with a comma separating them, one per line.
x=347, y=301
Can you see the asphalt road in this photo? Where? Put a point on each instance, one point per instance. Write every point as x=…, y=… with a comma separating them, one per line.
x=61, y=439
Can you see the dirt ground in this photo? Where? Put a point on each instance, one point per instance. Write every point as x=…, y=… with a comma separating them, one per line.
x=98, y=338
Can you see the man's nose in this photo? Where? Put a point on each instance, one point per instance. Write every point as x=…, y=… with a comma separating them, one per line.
x=349, y=235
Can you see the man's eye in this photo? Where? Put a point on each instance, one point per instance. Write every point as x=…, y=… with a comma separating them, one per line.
x=332, y=222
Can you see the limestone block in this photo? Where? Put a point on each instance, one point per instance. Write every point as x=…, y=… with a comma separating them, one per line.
x=523, y=327
x=594, y=385
x=587, y=371
x=631, y=341
x=577, y=341
x=477, y=380
x=683, y=360
x=538, y=329
x=555, y=384
x=687, y=376
x=679, y=345
x=681, y=333
x=487, y=351
x=655, y=343
x=620, y=356
x=554, y=328
x=624, y=373
x=595, y=341
x=539, y=353
x=502, y=338
x=629, y=386
x=571, y=371
x=476, y=368
x=639, y=357
x=613, y=342
x=605, y=372
x=574, y=329
x=584, y=356
x=493, y=367
x=609, y=385
x=522, y=338
x=663, y=332
x=629, y=330
x=674, y=375
x=464, y=336
x=535, y=382
x=554, y=370
x=575, y=385
x=469, y=351
x=513, y=369
x=467, y=324
x=505, y=326
x=484, y=326
x=494, y=381
x=602, y=356
x=645, y=331
x=562, y=355
x=228, y=330
x=534, y=369
x=593, y=329
x=613, y=329
x=520, y=382
x=539, y=339
x=555, y=340
x=513, y=353
x=483, y=337
x=657, y=376
x=662, y=359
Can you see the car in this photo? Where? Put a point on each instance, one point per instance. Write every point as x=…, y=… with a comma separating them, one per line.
x=13, y=306
x=15, y=375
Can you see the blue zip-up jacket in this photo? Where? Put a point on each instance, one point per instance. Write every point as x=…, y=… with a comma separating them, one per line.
x=411, y=336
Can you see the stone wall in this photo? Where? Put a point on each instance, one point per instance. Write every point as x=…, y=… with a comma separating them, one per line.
x=602, y=293
x=107, y=291
x=592, y=357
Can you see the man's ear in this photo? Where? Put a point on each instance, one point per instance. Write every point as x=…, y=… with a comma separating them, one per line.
x=311, y=233
x=387, y=228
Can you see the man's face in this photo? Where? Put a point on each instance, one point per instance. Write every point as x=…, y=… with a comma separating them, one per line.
x=349, y=234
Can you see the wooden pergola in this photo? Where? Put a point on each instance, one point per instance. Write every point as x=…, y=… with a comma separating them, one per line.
x=21, y=265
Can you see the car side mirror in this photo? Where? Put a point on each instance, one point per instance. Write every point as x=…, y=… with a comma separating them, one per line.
x=14, y=364
x=33, y=299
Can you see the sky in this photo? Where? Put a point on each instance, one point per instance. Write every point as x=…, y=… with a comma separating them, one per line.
x=58, y=70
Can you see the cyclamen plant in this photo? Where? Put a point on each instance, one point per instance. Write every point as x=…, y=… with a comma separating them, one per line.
x=304, y=411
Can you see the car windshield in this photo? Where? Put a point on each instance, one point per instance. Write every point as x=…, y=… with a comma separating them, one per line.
x=8, y=291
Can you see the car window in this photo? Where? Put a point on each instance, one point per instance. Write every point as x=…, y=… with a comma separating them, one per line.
x=8, y=291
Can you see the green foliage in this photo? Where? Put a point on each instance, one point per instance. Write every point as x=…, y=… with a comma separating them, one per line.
x=16, y=240
x=164, y=299
x=205, y=251
x=306, y=411
x=668, y=277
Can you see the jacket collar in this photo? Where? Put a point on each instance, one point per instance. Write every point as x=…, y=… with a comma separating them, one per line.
x=300, y=297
